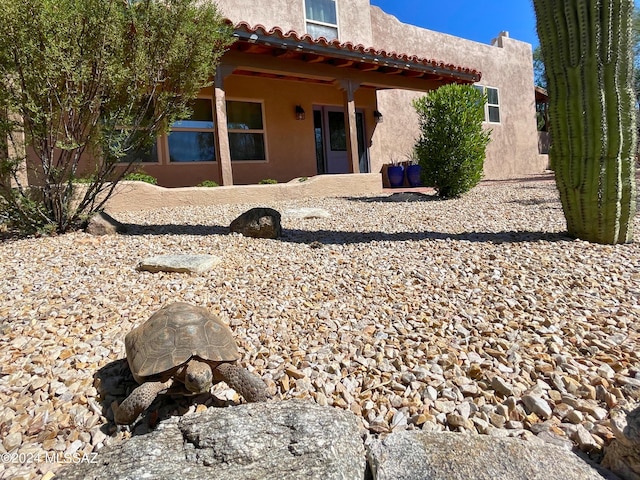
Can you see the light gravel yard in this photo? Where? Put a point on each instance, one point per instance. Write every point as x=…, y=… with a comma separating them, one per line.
x=475, y=314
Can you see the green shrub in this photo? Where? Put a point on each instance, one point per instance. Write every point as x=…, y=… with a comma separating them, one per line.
x=267, y=181
x=141, y=177
x=208, y=183
x=95, y=79
x=452, y=145
x=89, y=179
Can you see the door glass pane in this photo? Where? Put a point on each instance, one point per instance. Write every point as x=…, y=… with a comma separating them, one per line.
x=317, y=31
x=337, y=132
x=202, y=116
x=191, y=147
x=322, y=11
x=317, y=127
x=362, y=151
x=246, y=146
x=244, y=115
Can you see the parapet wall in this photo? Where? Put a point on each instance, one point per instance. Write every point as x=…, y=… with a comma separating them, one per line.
x=143, y=196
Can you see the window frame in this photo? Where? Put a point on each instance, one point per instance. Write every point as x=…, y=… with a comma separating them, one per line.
x=156, y=161
x=308, y=21
x=487, y=105
x=158, y=153
x=262, y=131
x=211, y=130
x=493, y=105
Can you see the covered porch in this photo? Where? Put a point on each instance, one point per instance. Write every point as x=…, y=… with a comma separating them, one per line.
x=285, y=106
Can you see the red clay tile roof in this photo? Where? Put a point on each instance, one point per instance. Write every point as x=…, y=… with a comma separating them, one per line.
x=369, y=54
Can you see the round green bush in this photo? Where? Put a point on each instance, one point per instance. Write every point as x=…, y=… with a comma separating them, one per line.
x=452, y=145
x=141, y=177
x=208, y=183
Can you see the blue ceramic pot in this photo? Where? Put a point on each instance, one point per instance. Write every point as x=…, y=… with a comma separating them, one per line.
x=396, y=175
x=414, y=173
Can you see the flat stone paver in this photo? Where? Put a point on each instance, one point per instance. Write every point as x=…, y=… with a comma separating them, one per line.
x=179, y=263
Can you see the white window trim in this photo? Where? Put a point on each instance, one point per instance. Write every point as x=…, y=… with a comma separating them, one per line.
x=263, y=131
x=497, y=105
x=487, y=104
x=165, y=139
x=324, y=24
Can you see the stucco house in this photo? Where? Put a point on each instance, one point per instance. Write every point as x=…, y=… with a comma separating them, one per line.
x=325, y=86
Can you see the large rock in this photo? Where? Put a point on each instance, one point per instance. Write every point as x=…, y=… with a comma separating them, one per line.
x=104, y=224
x=258, y=223
x=179, y=263
x=415, y=455
x=286, y=440
x=622, y=456
x=296, y=439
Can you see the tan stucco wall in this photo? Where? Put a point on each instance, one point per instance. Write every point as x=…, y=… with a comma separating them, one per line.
x=290, y=142
x=143, y=196
x=354, y=21
x=513, y=149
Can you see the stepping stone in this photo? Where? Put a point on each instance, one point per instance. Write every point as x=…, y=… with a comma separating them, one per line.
x=307, y=213
x=179, y=263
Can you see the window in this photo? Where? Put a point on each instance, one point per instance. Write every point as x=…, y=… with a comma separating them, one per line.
x=148, y=154
x=191, y=140
x=492, y=107
x=321, y=18
x=246, y=130
x=124, y=138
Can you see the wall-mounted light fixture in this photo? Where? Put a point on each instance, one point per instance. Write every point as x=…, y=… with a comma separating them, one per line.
x=377, y=116
x=299, y=113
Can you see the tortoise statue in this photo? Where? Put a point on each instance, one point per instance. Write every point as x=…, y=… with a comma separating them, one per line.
x=186, y=344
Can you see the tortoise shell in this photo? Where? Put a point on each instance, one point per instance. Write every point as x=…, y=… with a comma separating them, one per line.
x=175, y=334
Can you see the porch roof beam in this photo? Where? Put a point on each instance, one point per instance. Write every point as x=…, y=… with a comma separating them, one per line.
x=328, y=73
x=355, y=56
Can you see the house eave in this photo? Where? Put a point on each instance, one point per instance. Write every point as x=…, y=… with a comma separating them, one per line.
x=346, y=55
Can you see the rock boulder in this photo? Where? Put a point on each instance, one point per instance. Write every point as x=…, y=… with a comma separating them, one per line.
x=298, y=439
x=622, y=456
x=104, y=224
x=258, y=223
x=415, y=455
x=286, y=440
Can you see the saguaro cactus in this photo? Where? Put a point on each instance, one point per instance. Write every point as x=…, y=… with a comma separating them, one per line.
x=586, y=45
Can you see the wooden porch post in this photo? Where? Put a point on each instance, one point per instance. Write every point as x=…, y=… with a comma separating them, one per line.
x=349, y=88
x=223, y=152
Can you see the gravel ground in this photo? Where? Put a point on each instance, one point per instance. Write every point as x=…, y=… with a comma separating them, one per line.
x=475, y=314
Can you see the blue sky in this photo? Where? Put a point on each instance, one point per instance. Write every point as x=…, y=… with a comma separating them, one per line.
x=473, y=20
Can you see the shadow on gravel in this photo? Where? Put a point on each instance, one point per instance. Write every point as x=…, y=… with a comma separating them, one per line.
x=400, y=197
x=328, y=237
x=175, y=229
x=537, y=201
x=115, y=382
x=337, y=237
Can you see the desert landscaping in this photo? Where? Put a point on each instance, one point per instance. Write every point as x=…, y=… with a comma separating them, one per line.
x=470, y=315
